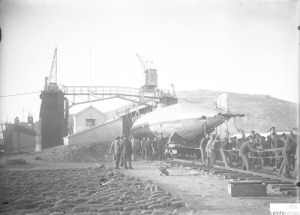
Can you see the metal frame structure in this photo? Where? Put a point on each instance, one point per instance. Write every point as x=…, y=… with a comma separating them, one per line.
x=100, y=93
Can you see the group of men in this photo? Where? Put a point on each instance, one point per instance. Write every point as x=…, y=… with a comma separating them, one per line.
x=152, y=149
x=278, y=150
x=122, y=148
x=283, y=149
x=127, y=150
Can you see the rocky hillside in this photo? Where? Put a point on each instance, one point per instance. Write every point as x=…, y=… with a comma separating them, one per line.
x=262, y=112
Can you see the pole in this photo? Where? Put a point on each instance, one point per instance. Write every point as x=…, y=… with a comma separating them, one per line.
x=296, y=172
x=90, y=77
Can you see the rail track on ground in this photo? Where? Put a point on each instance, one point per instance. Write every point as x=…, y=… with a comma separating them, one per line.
x=283, y=185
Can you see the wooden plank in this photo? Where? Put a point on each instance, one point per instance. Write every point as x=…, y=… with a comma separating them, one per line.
x=219, y=171
x=260, y=174
x=280, y=189
x=244, y=182
x=256, y=178
x=273, y=186
x=275, y=182
x=236, y=176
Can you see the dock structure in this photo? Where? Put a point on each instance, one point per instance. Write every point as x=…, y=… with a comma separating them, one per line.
x=56, y=102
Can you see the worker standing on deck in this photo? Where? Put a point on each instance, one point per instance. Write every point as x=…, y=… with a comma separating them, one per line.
x=202, y=147
x=289, y=148
x=117, y=147
x=127, y=152
x=243, y=153
x=227, y=145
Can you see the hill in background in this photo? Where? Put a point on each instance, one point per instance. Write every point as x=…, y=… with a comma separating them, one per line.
x=262, y=111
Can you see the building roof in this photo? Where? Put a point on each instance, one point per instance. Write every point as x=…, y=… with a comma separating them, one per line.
x=87, y=108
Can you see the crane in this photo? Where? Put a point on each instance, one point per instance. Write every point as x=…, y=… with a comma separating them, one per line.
x=145, y=62
x=53, y=71
x=51, y=81
x=150, y=76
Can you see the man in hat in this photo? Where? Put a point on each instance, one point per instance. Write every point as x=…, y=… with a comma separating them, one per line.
x=289, y=148
x=127, y=152
x=252, y=134
x=117, y=147
x=246, y=147
x=275, y=143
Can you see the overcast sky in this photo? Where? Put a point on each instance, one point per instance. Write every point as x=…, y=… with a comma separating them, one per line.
x=243, y=46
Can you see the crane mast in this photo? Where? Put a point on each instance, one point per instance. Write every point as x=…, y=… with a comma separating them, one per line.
x=150, y=73
x=53, y=71
x=51, y=81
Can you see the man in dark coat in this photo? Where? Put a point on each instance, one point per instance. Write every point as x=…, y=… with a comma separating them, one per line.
x=276, y=143
x=243, y=153
x=127, y=152
x=289, y=148
x=117, y=147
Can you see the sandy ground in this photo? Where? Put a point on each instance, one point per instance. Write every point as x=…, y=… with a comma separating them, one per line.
x=204, y=193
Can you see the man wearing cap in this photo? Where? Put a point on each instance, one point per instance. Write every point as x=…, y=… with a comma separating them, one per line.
x=252, y=134
x=275, y=143
x=246, y=147
x=289, y=148
x=117, y=147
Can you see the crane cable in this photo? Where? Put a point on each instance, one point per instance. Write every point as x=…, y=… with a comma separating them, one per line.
x=235, y=125
x=20, y=94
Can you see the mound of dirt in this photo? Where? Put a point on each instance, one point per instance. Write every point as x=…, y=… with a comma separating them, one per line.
x=81, y=152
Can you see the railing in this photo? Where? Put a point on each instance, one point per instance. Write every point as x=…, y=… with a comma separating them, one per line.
x=116, y=90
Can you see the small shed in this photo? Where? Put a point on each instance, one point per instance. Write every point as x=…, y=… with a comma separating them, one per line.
x=87, y=119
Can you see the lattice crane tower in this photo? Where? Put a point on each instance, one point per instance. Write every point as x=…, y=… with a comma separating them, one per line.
x=150, y=72
x=53, y=71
